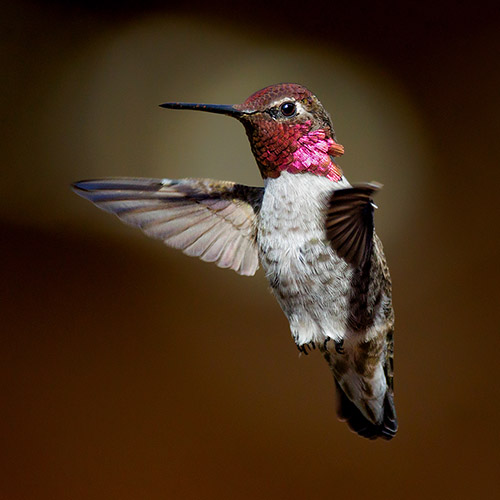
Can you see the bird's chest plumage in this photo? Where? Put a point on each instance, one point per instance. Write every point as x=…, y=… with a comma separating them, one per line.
x=310, y=282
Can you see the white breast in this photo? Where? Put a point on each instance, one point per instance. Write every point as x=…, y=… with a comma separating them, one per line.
x=308, y=279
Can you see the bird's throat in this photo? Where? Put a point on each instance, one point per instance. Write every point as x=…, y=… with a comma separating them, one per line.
x=299, y=149
x=314, y=155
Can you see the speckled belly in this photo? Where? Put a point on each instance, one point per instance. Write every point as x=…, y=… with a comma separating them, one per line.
x=309, y=281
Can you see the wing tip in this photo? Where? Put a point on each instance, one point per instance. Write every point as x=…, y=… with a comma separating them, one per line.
x=84, y=189
x=79, y=186
x=123, y=184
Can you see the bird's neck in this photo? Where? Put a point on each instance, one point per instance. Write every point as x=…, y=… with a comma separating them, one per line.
x=298, y=149
x=313, y=155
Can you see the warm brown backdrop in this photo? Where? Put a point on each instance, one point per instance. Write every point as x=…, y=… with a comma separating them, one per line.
x=131, y=371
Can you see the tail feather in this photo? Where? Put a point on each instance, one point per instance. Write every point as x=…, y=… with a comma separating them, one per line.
x=357, y=422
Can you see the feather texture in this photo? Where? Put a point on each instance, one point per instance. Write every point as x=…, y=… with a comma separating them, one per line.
x=212, y=220
x=349, y=222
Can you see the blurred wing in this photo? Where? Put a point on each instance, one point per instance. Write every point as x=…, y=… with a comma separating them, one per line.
x=349, y=222
x=213, y=220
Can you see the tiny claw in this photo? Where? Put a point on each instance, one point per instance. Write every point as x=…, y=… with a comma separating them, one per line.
x=339, y=346
x=302, y=349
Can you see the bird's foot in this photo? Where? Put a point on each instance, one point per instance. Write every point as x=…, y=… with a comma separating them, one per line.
x=303, y=348
x=339, y=346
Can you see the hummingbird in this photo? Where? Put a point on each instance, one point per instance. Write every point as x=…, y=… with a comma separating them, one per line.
x=308, y=227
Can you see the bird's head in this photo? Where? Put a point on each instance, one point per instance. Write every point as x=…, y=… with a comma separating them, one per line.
x=288, y=128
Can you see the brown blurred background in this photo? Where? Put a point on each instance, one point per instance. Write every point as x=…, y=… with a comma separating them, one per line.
x=131, y=371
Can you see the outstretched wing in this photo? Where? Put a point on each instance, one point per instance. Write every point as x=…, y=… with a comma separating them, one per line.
x=213, y=220
x=349, y=222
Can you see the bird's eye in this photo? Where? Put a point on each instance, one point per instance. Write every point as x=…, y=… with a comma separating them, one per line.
x=288, y=109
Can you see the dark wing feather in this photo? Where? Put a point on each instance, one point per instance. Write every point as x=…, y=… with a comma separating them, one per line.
x=213, y=220
x=349, y=222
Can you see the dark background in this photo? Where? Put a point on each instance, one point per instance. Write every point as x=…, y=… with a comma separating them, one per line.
x=131, y=371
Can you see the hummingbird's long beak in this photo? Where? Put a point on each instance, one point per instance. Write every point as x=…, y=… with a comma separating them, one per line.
x=222, y=109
